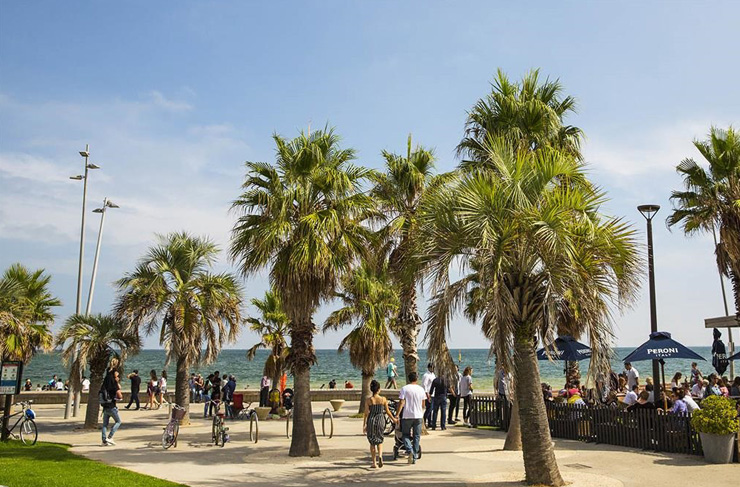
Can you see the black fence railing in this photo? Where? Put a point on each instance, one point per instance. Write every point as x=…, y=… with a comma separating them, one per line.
x=644, y=428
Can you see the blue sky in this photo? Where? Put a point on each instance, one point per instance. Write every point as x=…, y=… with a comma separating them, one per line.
x=173, y=100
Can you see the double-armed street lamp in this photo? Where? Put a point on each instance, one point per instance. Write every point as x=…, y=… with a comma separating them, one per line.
x=80, y=177
x=649, y=211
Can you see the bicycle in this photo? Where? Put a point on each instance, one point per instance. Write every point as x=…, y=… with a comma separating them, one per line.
x=169, y=436
x=28, y=433
x=219, y=432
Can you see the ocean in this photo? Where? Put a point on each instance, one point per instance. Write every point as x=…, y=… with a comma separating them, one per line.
x=334, y=365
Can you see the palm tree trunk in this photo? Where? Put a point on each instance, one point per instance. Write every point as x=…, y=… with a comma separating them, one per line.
x=513, y=440
x=735, y=278
x=408, y=326
x=366, y=379
x=572, y=371
x=539, y=455
x=182, y=389
x=92, y=415
x=303, y=442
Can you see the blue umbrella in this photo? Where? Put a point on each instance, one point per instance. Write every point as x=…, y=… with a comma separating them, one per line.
x=734, y=357
x=661, y=346
x=565, y=348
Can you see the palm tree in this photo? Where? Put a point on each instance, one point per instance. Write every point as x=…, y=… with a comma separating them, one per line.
x=273, y=328
x=303, y=219
x=530, y=112
x=25, y=312
x=711, y=199
x=398, y=193
x=99, y=338
x=526, y=233
x=370, y=303
x=196, y=311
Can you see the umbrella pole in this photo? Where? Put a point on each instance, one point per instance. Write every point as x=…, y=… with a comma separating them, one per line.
x=662, y=385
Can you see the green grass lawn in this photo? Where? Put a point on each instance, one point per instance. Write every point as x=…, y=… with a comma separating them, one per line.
x=53, y=464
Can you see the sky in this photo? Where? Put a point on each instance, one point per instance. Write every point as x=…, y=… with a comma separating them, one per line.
x=173, y=101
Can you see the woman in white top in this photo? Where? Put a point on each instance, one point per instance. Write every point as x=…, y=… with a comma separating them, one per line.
x=466, y=393
x=162, y=387
x=676, y=382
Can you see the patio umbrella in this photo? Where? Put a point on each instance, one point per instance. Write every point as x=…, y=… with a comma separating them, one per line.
x=565, y=348
x=734, y=357
x=660, y=347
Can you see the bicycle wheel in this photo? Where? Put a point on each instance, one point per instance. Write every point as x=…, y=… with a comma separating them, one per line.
x=168, y=436
x=222, y=436
x=29, y=433
x=390, y=426
x=254, y=427
x=177, y=432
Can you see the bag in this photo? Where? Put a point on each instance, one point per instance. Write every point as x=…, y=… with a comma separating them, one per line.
x=104, y=397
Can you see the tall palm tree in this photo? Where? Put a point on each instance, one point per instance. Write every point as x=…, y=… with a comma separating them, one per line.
x=370, y=303
x=25, y=312
x=530, y=112
x=711, y=199
x=196, y=311
x=398, y=192
x=99, y=338
x=526, y=233
x=303, y=219
x=273, y=328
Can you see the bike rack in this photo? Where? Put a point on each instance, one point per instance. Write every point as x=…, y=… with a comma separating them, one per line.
x=323, y=423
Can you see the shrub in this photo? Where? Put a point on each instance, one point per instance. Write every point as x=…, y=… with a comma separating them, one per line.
x=716, y=416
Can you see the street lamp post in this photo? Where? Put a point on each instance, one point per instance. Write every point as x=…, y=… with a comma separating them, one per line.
x=80, y=177
x=730, y=343
x=649, y=211
x=106, y=204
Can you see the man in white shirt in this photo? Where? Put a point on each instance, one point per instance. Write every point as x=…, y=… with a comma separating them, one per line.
x=633, y=376
x=85, y=384
x=426, y=383
x=411, y=411
x=631, y=397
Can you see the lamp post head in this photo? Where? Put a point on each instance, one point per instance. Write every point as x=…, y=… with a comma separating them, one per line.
x=648, y=211
x=79, y=177
x=93, y=166
x=85, y=153
x=98, y=210
x=110, y=204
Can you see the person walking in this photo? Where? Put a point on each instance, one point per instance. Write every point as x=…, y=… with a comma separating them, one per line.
x=411, y=399
x=206, y=397
x=110, y=391
x=373, y=424
x=466, y=393
x=632, y=375
x=426, y=383
x=135, y=385
x=391, y=372
x=265, y=391
x=162, y=388
x=151, y=390
x=455, y=397
x=440, y=388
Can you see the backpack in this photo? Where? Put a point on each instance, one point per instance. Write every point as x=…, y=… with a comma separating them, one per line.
x=104, y=398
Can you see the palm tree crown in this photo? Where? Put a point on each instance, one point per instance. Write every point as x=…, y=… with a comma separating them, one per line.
x=711, y=199
x=25, y=312
x=273, y=327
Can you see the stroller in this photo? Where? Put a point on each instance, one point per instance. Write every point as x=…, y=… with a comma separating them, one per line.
x=398, y=447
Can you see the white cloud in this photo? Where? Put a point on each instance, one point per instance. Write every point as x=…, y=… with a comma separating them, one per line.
x=159, y=100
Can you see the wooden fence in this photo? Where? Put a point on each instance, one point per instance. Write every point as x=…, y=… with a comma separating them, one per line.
x=644, y=428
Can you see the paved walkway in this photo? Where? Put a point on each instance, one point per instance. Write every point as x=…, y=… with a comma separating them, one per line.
x=458, y=456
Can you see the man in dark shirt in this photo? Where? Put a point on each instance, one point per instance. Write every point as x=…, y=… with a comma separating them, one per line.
x=109, y=393
x=439, y=389
x=135, y=385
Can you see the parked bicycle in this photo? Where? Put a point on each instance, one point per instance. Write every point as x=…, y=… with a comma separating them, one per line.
x=169, y=436
x=239, y=411
x=27, y=432
x=219, y=432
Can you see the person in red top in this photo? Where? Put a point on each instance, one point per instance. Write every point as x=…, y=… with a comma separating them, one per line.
x=348, y=385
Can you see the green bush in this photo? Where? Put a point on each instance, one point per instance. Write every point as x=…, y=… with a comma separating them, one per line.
x=716, y=416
